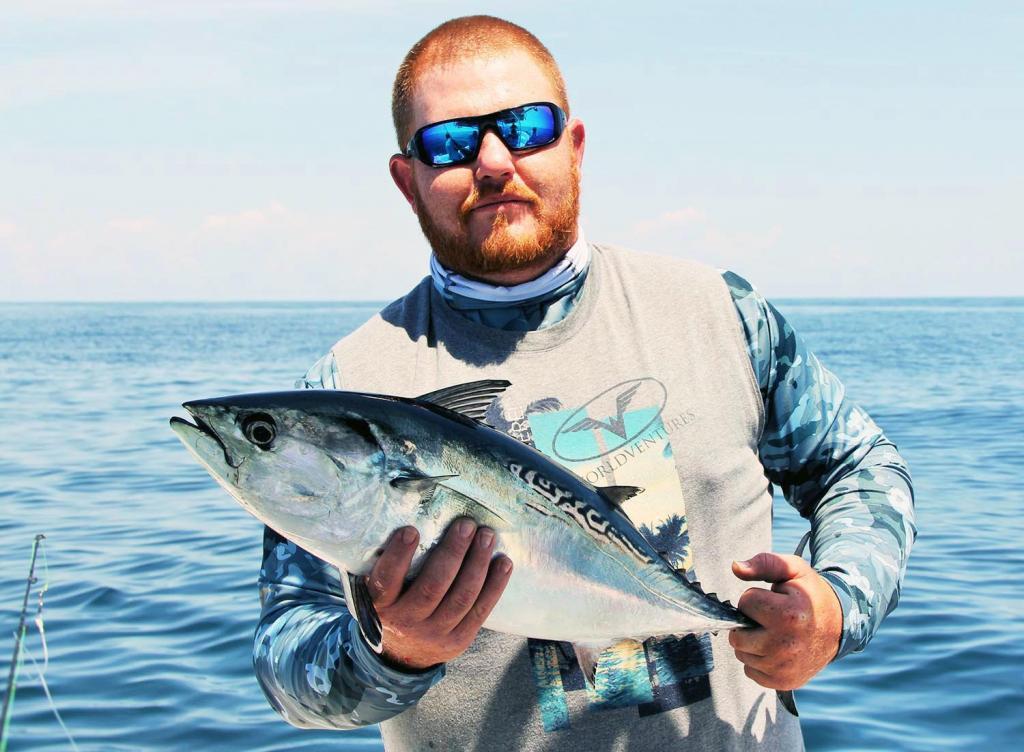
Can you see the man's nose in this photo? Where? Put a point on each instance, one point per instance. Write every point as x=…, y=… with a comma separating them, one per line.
x=494, y=161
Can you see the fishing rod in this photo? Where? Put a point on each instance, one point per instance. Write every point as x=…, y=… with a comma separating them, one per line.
x=19, y=638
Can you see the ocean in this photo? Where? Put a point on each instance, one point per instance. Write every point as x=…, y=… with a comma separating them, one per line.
x=150, y=568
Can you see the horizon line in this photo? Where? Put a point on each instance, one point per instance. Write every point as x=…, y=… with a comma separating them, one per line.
x=385, y=301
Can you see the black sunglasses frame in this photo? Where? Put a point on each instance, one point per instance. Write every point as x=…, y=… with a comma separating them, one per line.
x=415, y=146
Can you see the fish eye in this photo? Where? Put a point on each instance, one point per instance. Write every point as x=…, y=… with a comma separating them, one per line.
x=260, y=429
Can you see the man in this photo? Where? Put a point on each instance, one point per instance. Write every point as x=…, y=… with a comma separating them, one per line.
x=627, y=368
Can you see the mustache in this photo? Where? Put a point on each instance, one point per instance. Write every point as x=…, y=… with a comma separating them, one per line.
x=507, y=193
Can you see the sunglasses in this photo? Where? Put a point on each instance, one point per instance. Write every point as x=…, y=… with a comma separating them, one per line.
x=457, y=141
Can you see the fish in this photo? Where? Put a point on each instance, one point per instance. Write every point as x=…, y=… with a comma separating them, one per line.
x=337, y=472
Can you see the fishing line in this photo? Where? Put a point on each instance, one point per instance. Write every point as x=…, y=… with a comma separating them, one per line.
x=38, y=620
x=49, y=697
x=19, y=639
x=21, y=649
x=41, y=626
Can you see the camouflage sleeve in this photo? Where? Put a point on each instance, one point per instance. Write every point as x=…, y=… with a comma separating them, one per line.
x=309, y=656
x=834, y=465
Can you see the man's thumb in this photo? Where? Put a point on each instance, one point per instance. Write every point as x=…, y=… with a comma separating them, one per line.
x=769, y=567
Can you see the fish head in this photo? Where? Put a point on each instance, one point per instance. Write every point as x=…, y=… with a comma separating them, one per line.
x=310, y=470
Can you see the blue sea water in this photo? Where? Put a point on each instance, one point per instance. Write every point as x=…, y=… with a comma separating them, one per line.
x=151, y=601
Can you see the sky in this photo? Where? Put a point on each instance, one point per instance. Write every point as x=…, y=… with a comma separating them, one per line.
x=237, y=150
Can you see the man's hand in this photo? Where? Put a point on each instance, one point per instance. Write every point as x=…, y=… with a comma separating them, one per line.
x=440, y=613
x=800, y=617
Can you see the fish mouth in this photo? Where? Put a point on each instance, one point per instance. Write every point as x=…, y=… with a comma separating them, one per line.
x=200, y=438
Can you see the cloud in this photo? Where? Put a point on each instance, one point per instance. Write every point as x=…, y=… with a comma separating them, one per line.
x=742, y=243
x=201, y=8
x=133, y=224
x=269, y=251
x=85, y=71
x=687, y=216
x=693, y=232
x=275, y=215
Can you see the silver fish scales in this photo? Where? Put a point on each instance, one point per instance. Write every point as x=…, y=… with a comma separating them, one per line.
x=336, y=472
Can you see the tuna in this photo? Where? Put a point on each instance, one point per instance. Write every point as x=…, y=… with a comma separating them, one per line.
x=336, y=472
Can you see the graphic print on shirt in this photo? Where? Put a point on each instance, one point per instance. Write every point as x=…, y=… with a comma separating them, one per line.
x=619, y=437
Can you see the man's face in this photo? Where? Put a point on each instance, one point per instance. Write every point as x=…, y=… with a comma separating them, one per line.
x=505, y=211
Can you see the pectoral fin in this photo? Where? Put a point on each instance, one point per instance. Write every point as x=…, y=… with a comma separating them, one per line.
x=424, y=485
x=360, y=605
x=433, y=494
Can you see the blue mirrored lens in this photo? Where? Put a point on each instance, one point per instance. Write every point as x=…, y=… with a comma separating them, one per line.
x=527, y=127
x=450, y=142
x=457, y=141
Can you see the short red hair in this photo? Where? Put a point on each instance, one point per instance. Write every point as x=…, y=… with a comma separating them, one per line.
x=462, y=38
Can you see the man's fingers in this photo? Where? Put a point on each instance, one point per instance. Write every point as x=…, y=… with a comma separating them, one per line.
x=753, y=641
x=769, y=567
x=759, y=676
x=497, y=578
x=444, y=562
x=388, y=573
x=763, y=606
x=759, y=662
x=464, y=591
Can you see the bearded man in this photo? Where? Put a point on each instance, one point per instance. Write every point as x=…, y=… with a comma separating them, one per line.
x=677, y=378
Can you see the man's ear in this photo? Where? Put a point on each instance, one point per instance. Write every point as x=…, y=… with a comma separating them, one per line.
x=400, y=167
x=578, y=133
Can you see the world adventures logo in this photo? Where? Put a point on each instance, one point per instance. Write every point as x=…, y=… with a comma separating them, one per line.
x=606, y=423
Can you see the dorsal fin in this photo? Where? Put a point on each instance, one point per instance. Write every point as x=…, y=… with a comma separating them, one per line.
x=617, y=495
x=471, y=399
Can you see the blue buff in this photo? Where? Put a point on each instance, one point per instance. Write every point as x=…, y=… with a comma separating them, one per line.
x=533, y=305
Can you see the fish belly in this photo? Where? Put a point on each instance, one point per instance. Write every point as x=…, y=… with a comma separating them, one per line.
x=561, y=590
